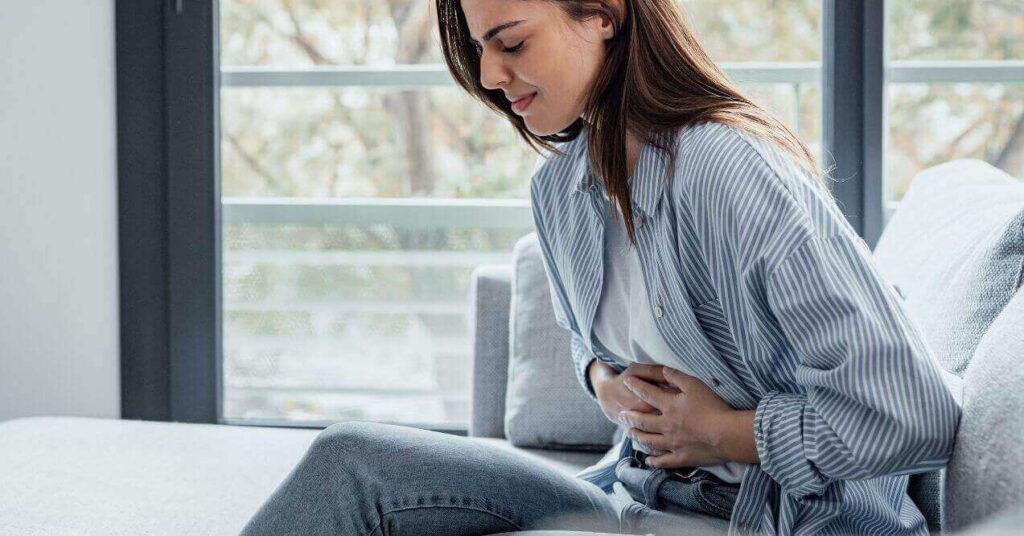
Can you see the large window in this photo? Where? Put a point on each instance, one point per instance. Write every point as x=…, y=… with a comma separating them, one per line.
x=955, y=87
x=360, y=188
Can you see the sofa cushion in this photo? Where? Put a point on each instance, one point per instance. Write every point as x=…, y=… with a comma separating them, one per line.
x=79, y=475
x=545, y=406
x=1007, y=523
x=955, y=250
x=83, y=476
x=490, y=299
x=984, y=475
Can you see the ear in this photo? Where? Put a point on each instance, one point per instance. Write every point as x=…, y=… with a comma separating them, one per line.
x=613, y=12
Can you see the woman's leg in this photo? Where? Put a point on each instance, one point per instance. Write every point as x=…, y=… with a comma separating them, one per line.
x=361, y=478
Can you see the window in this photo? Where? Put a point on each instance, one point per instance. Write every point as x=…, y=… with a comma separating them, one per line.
x=360, y=189
x=304, y=192
x=955, y=87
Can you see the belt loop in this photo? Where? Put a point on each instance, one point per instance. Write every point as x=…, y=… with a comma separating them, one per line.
x=652, y=483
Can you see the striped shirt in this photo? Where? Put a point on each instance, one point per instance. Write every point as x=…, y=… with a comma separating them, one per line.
x=756, y=278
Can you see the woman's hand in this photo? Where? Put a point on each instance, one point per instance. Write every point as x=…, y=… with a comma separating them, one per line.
x=614, y=397
x=692, y=425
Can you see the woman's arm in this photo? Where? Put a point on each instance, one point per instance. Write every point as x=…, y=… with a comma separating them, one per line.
x=860, y=395
x=736, y=438
x=874, y=401
x=580, y=356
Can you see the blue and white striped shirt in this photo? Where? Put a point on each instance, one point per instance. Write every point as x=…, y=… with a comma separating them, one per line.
x=758, y=281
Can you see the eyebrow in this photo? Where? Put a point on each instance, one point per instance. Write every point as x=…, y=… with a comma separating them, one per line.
x=494, y=31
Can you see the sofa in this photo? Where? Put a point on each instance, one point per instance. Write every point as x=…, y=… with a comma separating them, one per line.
x=954, y=249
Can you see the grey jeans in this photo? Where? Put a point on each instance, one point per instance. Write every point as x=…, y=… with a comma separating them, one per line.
x=363, y=478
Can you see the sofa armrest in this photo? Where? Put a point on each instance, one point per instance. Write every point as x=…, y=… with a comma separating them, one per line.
x=490, y=297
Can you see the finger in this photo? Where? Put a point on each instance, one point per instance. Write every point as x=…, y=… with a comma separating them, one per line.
x=648, y=392
x=669, y=387
x=678, y=378
x=669, y=460
x=648, y=422
x=648, y=372
x=639, y=405
x=649, y=441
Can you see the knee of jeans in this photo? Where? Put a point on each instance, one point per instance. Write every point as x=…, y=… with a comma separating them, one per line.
x=350, y=438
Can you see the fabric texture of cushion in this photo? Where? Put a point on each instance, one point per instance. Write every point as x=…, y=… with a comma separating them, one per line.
x=545, y=406
x=955, y=249
x=984, y=476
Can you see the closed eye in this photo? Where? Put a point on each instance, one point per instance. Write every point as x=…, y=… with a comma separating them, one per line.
x=513, y=50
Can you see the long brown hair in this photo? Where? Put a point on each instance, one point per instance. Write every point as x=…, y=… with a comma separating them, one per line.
x=657, y=77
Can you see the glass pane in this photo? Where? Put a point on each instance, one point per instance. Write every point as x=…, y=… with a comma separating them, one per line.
x=304, y=33
x=934, y=123
x=934, y=118
x=955, y=30
x=368, y=142
x=329, y=322
x=300, y=33
x=758, y=30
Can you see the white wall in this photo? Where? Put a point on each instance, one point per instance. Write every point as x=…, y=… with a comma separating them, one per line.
x=59, y=334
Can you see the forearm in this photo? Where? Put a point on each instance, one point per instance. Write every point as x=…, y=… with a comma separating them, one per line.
x=736, y=437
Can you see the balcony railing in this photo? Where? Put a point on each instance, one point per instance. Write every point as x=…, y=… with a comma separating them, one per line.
x=419, y=76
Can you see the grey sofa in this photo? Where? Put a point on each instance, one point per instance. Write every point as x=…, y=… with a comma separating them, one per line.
x=951, y=248
x=954, y=249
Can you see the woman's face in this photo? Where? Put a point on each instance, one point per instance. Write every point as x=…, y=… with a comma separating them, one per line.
x=541, y=59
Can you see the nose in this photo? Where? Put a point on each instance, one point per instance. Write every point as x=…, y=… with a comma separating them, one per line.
x=493, y=73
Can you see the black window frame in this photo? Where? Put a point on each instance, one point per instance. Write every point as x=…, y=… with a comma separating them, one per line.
x=169, y=210
x=169, y=187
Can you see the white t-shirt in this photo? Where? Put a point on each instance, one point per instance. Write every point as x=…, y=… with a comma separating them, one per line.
x=623, y=322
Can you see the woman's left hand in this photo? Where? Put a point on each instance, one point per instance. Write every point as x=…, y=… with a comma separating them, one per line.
x=690, y=427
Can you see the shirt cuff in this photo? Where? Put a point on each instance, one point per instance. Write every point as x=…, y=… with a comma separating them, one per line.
x=581, y=371
x=779, y=437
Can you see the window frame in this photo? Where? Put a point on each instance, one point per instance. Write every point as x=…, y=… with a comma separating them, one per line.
x=168, y=210
x=853, y=95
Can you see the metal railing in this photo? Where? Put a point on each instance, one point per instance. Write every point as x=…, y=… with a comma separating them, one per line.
x=419, y=76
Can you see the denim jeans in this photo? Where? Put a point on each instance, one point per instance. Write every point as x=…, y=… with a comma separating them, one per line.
x=690, y=489
x=363, y=478
x=659, y=496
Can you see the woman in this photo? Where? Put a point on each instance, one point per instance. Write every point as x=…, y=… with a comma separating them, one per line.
x=720, y=306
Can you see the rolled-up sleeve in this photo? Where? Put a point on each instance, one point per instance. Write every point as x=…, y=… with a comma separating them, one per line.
x=873, y=400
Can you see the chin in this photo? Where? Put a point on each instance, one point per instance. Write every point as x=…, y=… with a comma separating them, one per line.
x=544, y=128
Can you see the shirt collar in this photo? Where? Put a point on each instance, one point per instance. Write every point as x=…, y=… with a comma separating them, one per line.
x=648, y=179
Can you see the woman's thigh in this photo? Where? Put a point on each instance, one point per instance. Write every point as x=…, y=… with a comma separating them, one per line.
x=365, y=478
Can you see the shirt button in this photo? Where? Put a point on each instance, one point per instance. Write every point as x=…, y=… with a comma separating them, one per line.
x=715, y=382
x=639, y=221
x=658, y=311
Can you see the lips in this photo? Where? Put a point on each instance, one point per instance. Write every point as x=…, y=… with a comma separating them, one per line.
x=519, y=104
